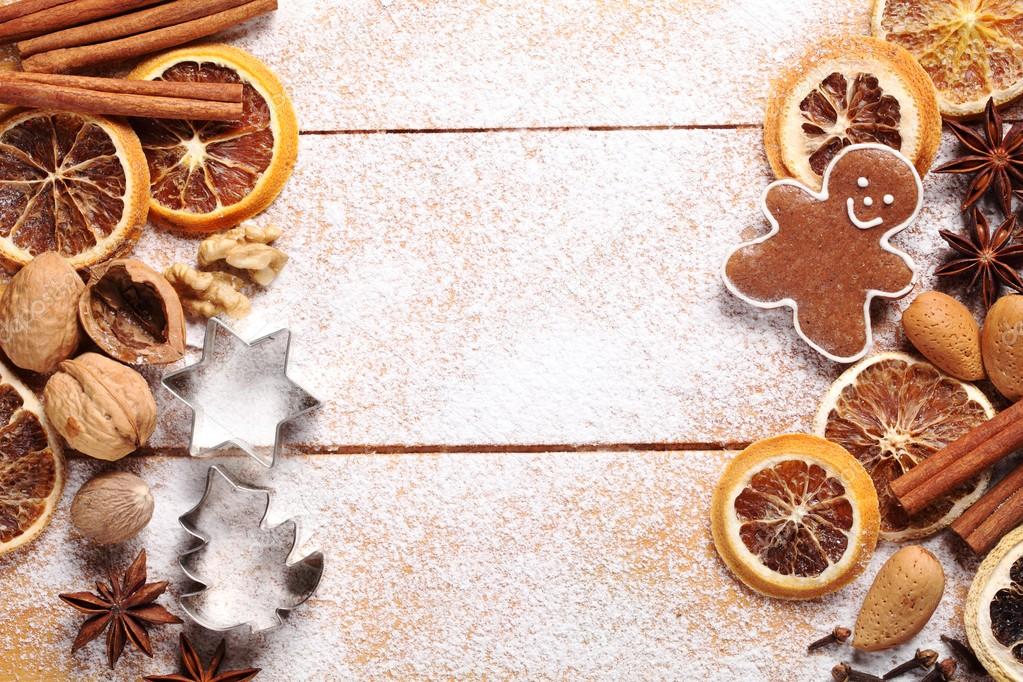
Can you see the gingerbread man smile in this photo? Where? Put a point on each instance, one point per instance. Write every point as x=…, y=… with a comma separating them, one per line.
x=823, y=258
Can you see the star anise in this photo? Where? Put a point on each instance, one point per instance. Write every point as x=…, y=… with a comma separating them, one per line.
x=123, y=608
x=988, y=258
x=997, y=161
x=195, y=671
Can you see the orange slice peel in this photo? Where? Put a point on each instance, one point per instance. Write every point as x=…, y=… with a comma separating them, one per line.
x=794, y=517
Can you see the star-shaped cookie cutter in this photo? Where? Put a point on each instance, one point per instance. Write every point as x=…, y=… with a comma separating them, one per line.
x=220, y=420
x=309, y=566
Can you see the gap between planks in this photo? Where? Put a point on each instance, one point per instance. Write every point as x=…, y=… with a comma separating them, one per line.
x=531, y=129
x=468, y=449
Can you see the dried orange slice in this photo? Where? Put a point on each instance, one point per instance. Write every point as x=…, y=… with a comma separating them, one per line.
x=845, y=91
x=891, y=411
x=971, y=49
x=31, y=465
x=794, y=517
x=71, y=183
x=994, y=625
x=208, y=175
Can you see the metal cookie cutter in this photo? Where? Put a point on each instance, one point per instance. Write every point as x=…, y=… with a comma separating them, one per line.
x=251, y=575
x=240, y=393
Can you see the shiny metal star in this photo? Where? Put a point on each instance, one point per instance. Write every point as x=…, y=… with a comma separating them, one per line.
x=240, y=393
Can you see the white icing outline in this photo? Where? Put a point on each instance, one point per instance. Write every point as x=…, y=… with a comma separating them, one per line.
x=884, y=242
x=850, y=206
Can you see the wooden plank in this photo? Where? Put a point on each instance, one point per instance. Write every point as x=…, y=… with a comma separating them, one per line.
x=528, y=566
x=521, y=288
x=379, y=64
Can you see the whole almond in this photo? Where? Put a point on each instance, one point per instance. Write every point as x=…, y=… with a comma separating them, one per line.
x=944, y=331
x=900, y=601
x=1001, y=342
x=39, y=314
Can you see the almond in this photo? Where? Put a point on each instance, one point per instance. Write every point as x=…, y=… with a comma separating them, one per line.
x=944, y=332
x=1002, y=345
x=901, y=600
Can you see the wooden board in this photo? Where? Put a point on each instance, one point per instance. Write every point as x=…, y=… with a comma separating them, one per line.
x=505, y=231
x=473, y=566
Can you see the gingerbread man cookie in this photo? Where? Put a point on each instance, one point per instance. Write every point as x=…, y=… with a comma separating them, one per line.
x=827, y=254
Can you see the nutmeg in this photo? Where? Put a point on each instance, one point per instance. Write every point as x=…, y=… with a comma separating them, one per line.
x=944, y=331
x=102, y=408
x=1001, y=342
x=39, y=314
x=112, y=507
x=133, y=313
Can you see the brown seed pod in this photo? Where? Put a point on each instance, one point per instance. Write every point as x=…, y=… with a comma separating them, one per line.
x=38, y=320
x=112, y=507
x=133, y=313
x=102, y=408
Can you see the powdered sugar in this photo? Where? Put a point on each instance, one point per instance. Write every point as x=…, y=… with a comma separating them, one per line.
x=537, y=566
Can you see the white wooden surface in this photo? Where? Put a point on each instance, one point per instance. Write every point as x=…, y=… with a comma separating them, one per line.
x=505, y=229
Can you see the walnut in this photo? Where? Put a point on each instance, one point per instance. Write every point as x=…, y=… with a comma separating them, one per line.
x=133, y=314
x=246, y=247
x=102, y=408
x=39, y=314
x=205, y=294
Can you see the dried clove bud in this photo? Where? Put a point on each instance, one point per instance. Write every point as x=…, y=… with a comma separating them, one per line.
x=964, y=654
x=838, y=635
x=942, y=672
x=133, y=313
x=843, y=672
x=923, y=660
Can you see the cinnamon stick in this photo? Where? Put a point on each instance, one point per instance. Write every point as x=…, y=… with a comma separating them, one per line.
x=23, y=7
x=994, y=527
x=175, y=12
x=144, y=43
x=64, y=15
x=213, y=92
x=29, y=94
x=991, y=505
x=961, y=460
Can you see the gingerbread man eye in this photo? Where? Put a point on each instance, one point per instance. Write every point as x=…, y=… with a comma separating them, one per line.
x=888, y=199
x=863, y=183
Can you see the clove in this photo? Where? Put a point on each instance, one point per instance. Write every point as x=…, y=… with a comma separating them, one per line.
x=963, y=653
x=942, y=672
x=836, y=636
x=923, y=660
x=843, y=672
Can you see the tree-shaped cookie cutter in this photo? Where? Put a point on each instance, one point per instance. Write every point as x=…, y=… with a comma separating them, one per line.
x=226, y=409
x=306, y=569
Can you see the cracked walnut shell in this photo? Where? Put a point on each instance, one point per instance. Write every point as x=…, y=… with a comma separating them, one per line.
x=133, y=313
x=102, y=408
x=39, y=314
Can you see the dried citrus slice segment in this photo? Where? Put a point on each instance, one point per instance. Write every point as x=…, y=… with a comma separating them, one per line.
x=891, y=411
x=993, y=610
x=31, y=465
x=794, y=516
x=971, y=49
x=845, y=91
x=208, y=175
x=71, y=183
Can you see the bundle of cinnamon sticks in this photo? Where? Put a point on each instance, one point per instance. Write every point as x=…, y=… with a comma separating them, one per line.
x=121, y=97
x=60, y=35
x=1001, y=508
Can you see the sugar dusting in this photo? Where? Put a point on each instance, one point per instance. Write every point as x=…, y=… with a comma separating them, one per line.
x=534, y=566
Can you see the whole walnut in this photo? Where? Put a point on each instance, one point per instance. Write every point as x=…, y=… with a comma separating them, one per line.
x=102, y=408
x=39, y=314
